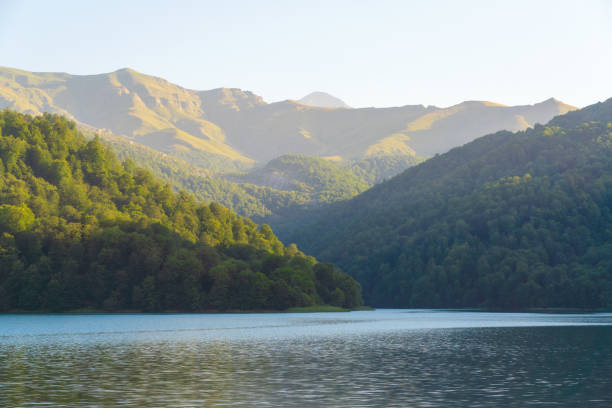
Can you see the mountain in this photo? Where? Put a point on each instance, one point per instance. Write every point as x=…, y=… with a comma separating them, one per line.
x=323, y=100
x=228, y=130
x=79, y=229
x=147, y=109
x=510, y=220
x=351, y=134
x=325, y=180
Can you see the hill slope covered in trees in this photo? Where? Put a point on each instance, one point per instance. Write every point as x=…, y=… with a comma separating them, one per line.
x=511, y=220
x=79, y=229
x=320, y=178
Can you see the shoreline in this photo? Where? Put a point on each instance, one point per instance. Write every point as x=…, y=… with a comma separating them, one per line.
x=88, y=311
x=307, y=309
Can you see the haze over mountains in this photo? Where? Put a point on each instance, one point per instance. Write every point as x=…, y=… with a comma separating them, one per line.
x=229, y=129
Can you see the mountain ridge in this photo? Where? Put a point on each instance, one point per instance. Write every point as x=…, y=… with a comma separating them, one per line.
x=229, y=129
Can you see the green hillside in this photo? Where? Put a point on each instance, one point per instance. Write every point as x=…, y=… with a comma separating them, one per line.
x=320, y=178
x=511, y=220
x=80, y=229
x=377, y=168
x=327, y=180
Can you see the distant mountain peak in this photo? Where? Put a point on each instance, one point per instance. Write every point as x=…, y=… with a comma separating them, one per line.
x=554, y=102
x=556, y=105
x=323, y=100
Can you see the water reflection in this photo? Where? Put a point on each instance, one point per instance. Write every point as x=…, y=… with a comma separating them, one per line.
x=288, y=360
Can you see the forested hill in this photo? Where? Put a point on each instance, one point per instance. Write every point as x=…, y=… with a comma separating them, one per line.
x=320, y=178
x=79, y=229
x=511, y=220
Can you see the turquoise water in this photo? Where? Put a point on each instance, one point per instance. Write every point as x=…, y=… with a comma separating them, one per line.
x=359, y=359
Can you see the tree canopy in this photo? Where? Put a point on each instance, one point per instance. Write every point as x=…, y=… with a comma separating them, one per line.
x=80, y=229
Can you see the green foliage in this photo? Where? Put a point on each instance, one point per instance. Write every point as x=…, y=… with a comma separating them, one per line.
x=79, y=229
x=323, y=180
x=15, y=218
x=511, y=220
x=376, y=169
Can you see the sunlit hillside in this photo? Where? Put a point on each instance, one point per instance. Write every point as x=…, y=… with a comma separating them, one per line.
x=231, y=129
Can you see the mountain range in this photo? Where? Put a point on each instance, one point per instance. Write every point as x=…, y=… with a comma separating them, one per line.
x=229, y=129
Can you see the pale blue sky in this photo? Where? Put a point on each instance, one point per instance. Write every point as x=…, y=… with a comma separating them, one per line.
x=369, y=53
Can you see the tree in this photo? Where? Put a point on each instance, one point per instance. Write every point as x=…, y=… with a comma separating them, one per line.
x=14, y=219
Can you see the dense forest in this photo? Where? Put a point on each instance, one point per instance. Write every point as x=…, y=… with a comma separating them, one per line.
x=324, y=180
x=321, y=179
x=511, y=220
x=80, y=229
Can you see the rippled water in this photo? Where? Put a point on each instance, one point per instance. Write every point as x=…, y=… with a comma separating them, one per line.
x=390, y=358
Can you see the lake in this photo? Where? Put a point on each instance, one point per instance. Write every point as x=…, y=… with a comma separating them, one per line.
x=383, y=358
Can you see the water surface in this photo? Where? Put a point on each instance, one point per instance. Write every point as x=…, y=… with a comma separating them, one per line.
x=360, y=359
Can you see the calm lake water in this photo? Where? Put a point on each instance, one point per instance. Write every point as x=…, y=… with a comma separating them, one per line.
x=386, y=358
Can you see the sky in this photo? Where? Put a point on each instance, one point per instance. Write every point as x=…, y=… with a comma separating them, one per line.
x=368, y=53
